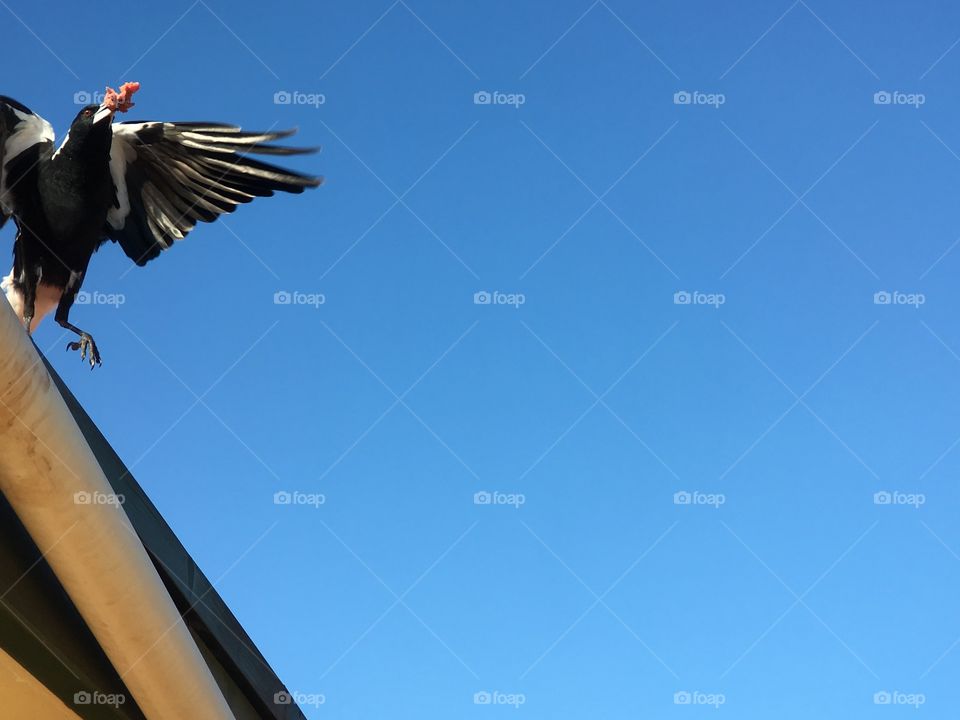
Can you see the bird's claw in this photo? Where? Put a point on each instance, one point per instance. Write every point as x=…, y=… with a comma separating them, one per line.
x=86, y=344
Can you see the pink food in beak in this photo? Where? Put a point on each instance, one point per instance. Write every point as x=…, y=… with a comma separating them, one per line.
x=123, y=100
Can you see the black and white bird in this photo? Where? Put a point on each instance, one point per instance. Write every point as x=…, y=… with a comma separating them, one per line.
x=143, y=185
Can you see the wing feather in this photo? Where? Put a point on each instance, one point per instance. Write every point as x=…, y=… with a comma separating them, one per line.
x=169, y=176
x=25, y=140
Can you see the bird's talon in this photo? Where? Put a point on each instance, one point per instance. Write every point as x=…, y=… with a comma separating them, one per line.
x=85, y=345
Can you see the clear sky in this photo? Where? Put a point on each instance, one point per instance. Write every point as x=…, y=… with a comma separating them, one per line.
x=782, y=198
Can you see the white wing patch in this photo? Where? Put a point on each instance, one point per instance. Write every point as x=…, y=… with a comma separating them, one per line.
x=29, y=131
x=122, y=153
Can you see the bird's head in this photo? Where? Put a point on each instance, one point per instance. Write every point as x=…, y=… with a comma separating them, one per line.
x=102, y=115
x=90, y=134
x=88, y=116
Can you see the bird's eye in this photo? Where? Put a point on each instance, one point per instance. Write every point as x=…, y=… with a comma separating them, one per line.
x=88, y=112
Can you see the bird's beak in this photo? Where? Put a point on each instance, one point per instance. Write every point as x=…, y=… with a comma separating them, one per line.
x=103, y=112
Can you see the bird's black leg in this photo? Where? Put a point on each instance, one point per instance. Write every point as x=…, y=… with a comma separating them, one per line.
x=85, y=344
x=27, y=274
x=29, y=281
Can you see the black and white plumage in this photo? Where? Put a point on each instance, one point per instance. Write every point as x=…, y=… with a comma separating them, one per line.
x=144, y=185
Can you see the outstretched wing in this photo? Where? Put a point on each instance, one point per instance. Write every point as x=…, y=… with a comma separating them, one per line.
x=25, y=140
x=167, y=176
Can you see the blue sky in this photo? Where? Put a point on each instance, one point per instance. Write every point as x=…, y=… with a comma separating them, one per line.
x=787, y=200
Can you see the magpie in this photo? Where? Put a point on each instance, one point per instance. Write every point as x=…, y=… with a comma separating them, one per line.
x=143, y=185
